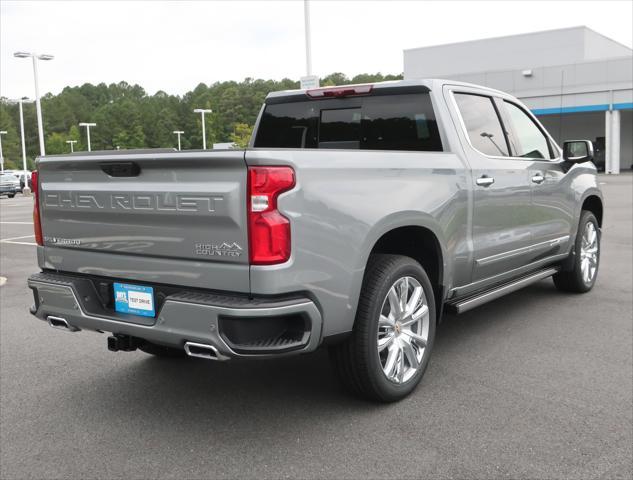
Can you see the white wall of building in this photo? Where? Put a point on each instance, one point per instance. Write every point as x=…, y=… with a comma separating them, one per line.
x=575, y=71
x=515, y=52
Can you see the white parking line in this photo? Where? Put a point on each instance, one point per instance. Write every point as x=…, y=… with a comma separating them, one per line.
x=17, y=243
x=15, y=238
x=16, y=223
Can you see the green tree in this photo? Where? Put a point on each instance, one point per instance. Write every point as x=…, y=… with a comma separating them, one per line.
x=241, y=134
x=56, y=143
x=130, y=118
x=11, y=151
x=336, y=78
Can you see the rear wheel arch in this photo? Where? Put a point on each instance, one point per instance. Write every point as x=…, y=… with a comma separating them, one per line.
x=421, y=244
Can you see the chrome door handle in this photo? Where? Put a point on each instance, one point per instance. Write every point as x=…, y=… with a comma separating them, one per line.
x=485, y=181
x=538, y=178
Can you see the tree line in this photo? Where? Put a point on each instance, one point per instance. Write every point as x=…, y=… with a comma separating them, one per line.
x=127, y=117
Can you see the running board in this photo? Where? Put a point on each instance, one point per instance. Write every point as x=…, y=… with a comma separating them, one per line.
x=468, y=303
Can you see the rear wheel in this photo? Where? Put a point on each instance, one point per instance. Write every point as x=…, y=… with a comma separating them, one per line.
x=11, y=195
x=162, y=351
x=388, y=351
x=586, y=258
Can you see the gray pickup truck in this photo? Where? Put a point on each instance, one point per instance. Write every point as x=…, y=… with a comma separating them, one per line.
x=357, y=216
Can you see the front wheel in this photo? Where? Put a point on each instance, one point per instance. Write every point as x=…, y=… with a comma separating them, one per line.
x=388, y=351
x=586, y=258
x=11, y=195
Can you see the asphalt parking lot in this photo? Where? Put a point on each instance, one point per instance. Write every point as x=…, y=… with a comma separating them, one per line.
x=535, y=385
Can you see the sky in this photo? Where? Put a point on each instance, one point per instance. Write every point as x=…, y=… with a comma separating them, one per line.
x=175, y=45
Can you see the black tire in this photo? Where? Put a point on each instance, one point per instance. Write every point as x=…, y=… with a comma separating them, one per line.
x=571, y=279
x=11, y=195
x=162, y=351
x=356, y=360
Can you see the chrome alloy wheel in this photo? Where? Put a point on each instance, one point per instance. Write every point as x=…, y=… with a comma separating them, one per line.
x=403, y=330
x=589, y=253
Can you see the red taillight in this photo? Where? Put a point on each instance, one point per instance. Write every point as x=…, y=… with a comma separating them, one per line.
x=269, y=230
x=37, y=224
x=346, y=91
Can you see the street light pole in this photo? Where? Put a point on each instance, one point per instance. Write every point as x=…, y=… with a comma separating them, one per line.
x=202, y=112
x=3, y=132
x=26, y=190
x=306, y=15
x=178, y=132
x=72, y=145
x=88, y=125
x=38, y=105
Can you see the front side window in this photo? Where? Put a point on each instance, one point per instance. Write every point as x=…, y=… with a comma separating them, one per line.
x=526, y=139
x=482, y=124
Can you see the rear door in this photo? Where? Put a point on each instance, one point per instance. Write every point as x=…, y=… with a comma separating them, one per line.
x=501, y=231
x=170, y=217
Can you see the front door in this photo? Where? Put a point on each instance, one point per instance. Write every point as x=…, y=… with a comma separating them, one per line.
x=553, y=201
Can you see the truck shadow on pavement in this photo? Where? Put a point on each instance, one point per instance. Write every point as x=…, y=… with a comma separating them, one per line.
x=224, y=398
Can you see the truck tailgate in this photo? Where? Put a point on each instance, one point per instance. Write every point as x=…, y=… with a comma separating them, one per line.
x=132, y=215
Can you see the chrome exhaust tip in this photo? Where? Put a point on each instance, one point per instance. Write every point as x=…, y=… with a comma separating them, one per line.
x=201, y=350
x=61, y=324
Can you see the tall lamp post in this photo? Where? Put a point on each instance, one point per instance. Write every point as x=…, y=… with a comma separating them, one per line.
x=2, y=132
x=179, y=133
x=88, y=125
x=202, y=112
x=72, y=145
x=40, y=125
x=26, y=190
x=306, y=18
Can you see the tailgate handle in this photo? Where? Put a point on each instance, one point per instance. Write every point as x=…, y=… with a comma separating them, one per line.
x=121, y=169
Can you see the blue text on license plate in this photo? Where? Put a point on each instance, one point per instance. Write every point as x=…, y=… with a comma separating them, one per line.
x=134, y=299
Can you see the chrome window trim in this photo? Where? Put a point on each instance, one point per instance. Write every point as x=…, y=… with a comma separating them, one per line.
x=452, y=90
x=537, y=124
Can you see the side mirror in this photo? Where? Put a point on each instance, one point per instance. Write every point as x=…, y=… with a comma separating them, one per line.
x=578, y=151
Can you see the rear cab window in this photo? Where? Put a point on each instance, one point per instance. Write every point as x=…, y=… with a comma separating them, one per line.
x=374, y=122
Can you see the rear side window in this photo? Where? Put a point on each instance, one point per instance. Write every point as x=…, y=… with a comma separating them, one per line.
x=527, y=139
x=482, y=124
x=381, y=122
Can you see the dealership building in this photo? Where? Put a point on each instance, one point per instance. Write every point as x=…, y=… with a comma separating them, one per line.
x=578, y=82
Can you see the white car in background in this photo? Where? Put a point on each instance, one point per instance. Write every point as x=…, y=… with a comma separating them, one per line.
x=20, y=174
x=9, y=184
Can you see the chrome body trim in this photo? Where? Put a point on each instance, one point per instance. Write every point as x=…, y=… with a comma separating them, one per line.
x=61, y=324
x=212, y=354
x=520, y=251
x=477, y=300
x=485, y=181
x=466, y=290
